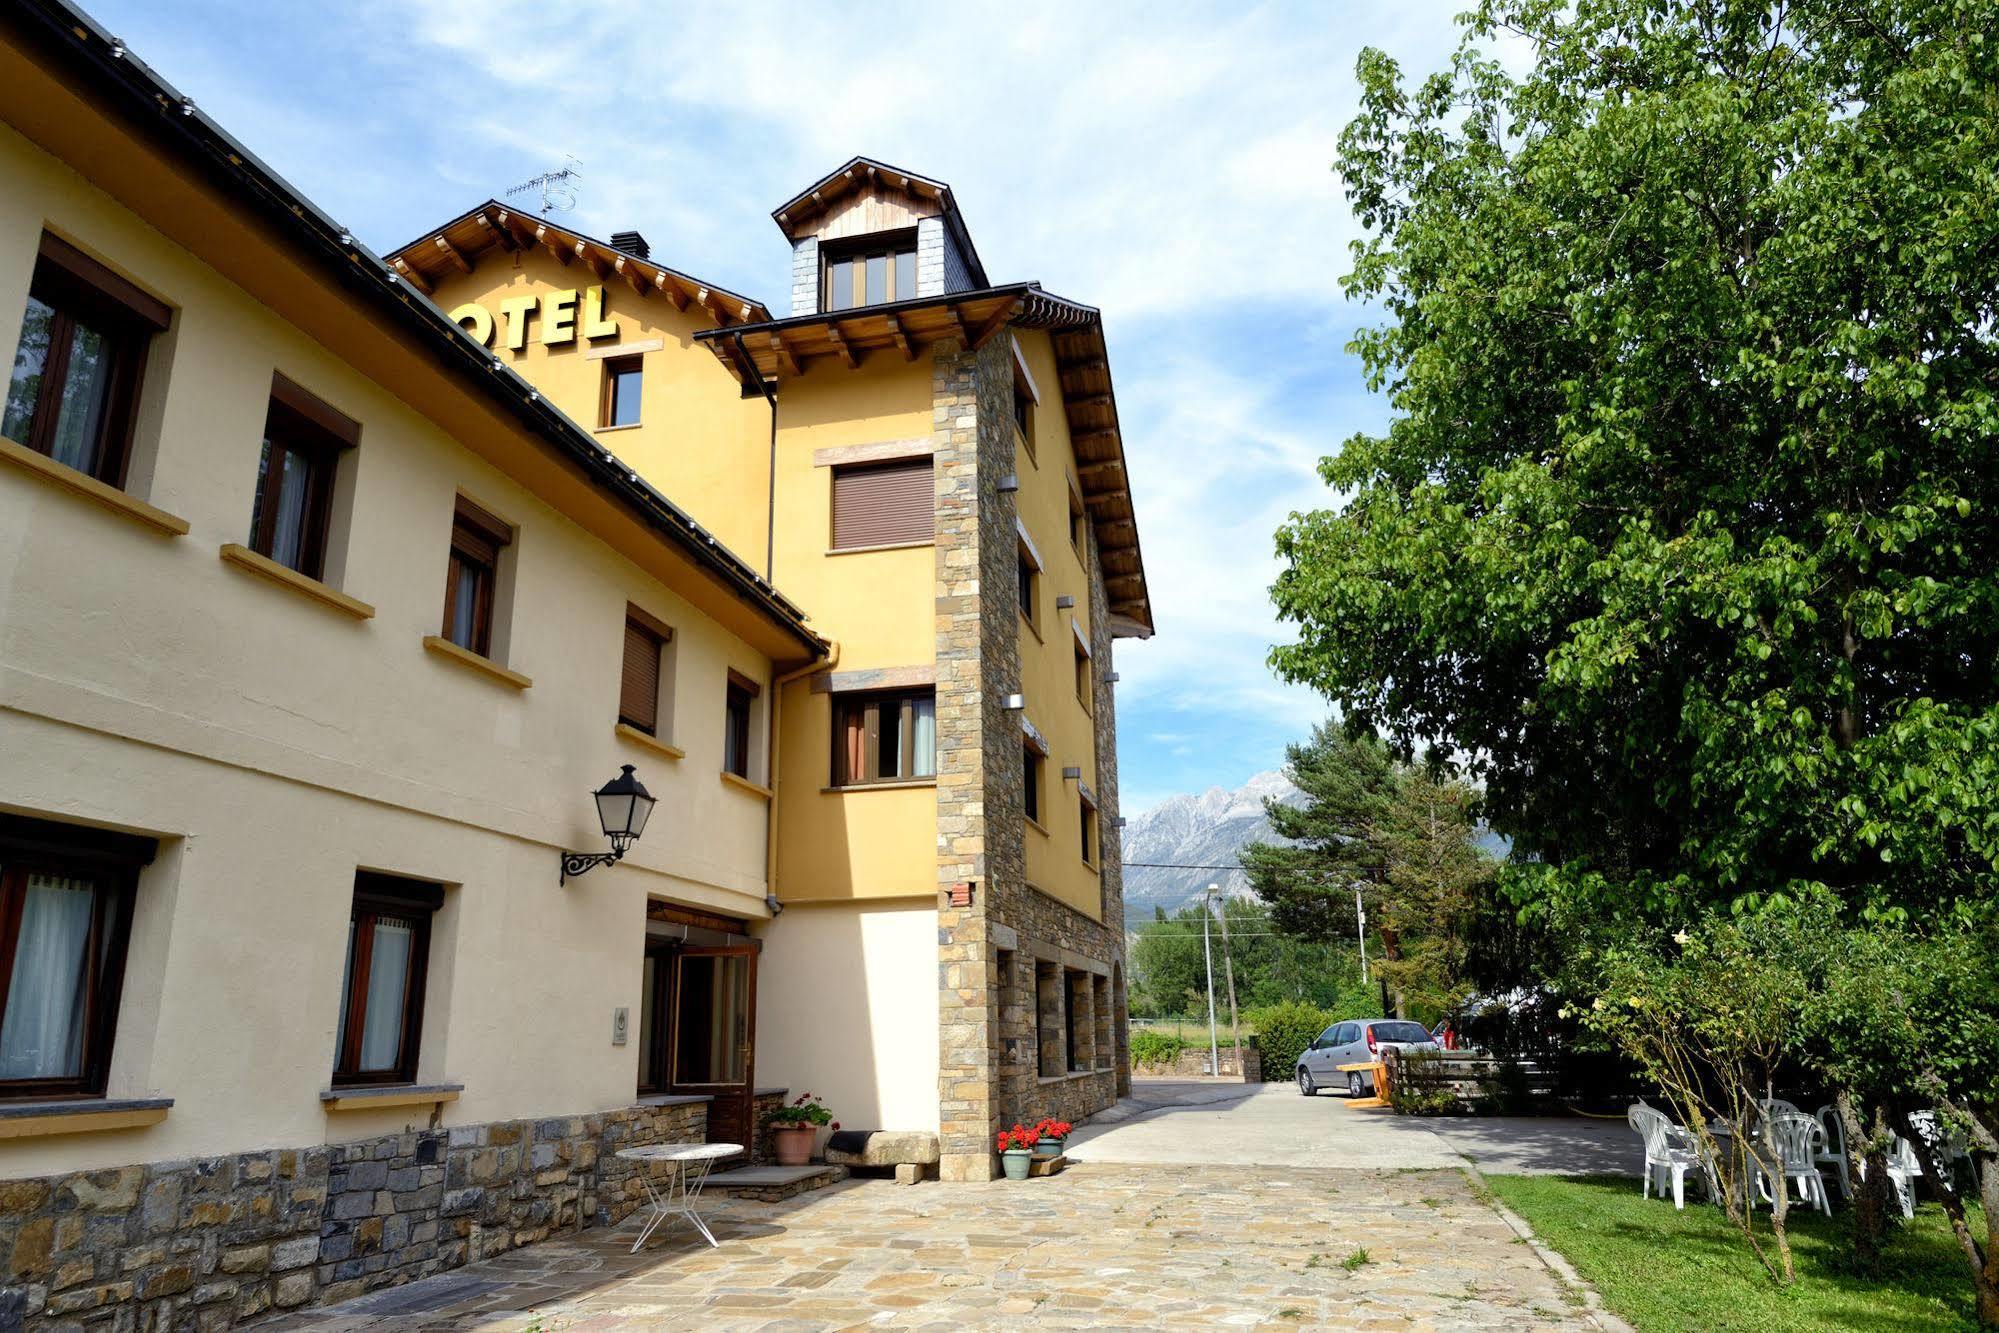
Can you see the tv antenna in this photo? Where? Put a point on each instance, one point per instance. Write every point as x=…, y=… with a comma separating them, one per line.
x=558, y=193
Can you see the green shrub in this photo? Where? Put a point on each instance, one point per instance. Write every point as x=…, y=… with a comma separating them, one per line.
x=1155, y=1050
x=1283, y=1031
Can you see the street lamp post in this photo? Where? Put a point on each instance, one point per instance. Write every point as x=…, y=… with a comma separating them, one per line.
x=1208, y=953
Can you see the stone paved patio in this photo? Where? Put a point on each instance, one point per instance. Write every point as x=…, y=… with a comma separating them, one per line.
x=1101, y=1246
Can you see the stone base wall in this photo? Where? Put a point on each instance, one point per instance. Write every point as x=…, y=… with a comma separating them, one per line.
x=204, y=1244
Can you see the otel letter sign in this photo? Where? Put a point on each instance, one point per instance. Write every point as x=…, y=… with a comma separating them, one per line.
x=556, y=312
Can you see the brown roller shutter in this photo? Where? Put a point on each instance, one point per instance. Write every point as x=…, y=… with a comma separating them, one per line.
x=638, y=704
x=884, y=504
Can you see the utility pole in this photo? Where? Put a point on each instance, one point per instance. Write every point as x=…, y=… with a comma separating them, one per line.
x=1208, y=954
x=1228, y=973
x=1360, y=929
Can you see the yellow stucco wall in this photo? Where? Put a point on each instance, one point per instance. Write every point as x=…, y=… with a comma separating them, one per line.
x=276, y=746
x=879, y=606
x=1048, y=650
x=698, y=439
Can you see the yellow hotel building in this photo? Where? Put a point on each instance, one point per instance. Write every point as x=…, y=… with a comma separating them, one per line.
x=333, y=583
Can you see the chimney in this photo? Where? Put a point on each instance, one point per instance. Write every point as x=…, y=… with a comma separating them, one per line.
x=631, y=243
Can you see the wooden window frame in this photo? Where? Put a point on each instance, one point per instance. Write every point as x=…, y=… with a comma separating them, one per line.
x=477, y=540
x=660, y=634
x=739, y=725
x=112, y=862
x=1085, y=680
x=1079, y=525
x=299, y=423
x=1073, y=1049
x=377, y=896
x=607, y=395
x=856, y=252
x=1087, y=818
x=870, y=703
x=70, y=282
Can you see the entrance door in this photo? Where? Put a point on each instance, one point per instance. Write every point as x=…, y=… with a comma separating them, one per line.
x=714, y=1019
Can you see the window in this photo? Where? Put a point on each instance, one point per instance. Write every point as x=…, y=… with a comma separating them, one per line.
x=888, y=737
x=65, y=916
x=738, y=705
x=639, y=696
x=1026, y=571
x=876, y=271
x=477, y=538
x=1088, y=815
x=1048, y=1020
x=1083, y=678
x=1023, y=411
x=381, y=1000
x=1031, y=762
x=884, y=504
x=303, y=438
x=623, y=379
x=1076, y=514
x=76, y=371
x=655, y=1018
x=1076, y=1024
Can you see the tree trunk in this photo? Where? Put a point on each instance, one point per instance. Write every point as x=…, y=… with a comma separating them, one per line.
x=1867, y=1185
x=1983, y=1264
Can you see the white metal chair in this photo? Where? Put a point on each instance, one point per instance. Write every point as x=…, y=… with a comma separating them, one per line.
x=1796, y=1139
x=1670, y=1152
x=1832, y=1153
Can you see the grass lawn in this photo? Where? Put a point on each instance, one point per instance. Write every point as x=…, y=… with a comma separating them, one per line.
x=1665, y=1270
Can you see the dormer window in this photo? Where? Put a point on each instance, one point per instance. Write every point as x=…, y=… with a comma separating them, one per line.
x=873, y=270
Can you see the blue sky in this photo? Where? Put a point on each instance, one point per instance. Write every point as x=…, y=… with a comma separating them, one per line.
x=1171, y=164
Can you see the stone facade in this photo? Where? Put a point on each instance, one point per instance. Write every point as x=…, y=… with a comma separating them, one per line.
x=204, y=1244
x=805, y=276
x=997, y=1064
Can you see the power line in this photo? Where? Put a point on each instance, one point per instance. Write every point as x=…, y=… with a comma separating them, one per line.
x=1173, y=865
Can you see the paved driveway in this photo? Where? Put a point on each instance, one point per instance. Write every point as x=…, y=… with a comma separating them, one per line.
x=1168, y=1219
x=1272, y=1125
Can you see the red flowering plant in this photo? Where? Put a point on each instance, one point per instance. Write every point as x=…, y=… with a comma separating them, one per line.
x=803, y=1111
x=1054, y=1129
x=1018, y=1139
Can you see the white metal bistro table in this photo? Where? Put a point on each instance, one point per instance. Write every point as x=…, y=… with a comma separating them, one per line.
x=687, y=1171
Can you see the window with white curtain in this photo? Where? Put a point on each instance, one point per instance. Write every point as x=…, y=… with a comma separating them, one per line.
x=381, y=995
x=890, y=737
x=65, y=914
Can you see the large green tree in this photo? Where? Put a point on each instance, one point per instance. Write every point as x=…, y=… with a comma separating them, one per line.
x=1685, y=531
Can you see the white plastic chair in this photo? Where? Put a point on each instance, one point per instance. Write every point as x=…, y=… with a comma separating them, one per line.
x=1832, y=1152
x=1670, y=1152
x=1796, y=1139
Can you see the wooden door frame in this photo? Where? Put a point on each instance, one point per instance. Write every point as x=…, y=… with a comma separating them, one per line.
x=746, y=1093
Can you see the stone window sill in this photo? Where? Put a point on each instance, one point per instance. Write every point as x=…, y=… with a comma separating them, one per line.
x=675, y=1099
x=91, y=489
x=879, y=786
x=1069, y=1077
x=1032, y=628
x=1037, y=826
x=606, y=430
x=626, y=731
x=80, y=1115
x=264, y=567
x=363, y=1098
x=485, y=666
x=869, y=550
x=754, y=788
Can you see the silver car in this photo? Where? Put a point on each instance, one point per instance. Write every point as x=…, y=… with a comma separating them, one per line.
x=1357, y=1041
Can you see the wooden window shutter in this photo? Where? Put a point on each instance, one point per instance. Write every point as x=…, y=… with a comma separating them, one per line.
x=887, y=504
x=638, y=702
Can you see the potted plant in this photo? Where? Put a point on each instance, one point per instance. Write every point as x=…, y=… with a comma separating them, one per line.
x=1016, y=1150
x=793, y=1129
x=1054, y=1135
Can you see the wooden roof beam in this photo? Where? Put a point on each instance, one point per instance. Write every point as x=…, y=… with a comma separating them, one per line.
x=563, y=255
x=1091, y=400
x=451, y=252
x=500, y=232
x=786, y=360
x=592, y=260
x=1082, y=367
x=992, y=325
x=841, y=345
x=629, y=270
x=901, y=336
x=412, y=277
x=1105, y=497
x=958, y=318
x=670, y=289
x=1088, y=470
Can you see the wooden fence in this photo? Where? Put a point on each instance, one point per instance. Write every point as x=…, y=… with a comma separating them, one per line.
x=1466, y=1083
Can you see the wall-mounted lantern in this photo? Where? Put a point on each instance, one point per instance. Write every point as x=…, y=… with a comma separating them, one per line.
x=623, y=806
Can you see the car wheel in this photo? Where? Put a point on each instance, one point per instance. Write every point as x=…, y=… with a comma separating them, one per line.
x=1305, y=1083
x=1356, y=1086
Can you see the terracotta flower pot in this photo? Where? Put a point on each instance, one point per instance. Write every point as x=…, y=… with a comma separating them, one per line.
x=793, y=1143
